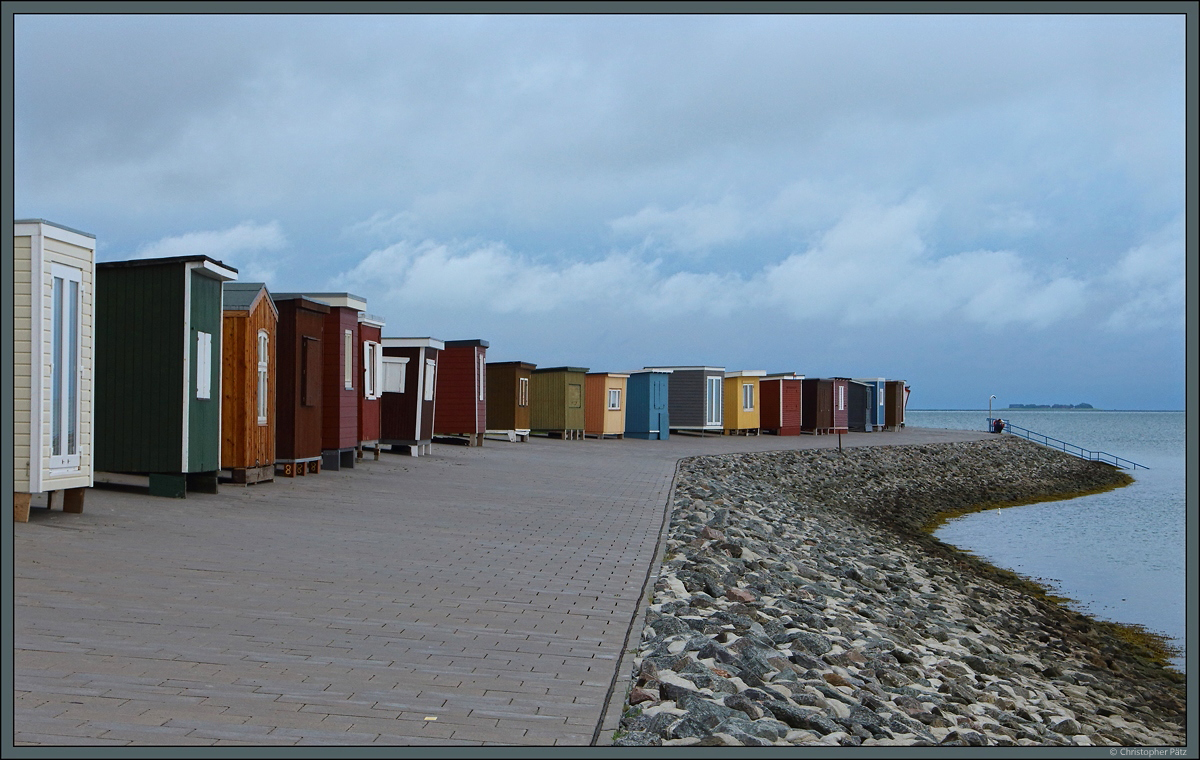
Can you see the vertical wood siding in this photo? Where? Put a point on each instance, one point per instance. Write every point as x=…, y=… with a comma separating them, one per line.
x=204, y=415
x=22, y=359
x=368, y=408
x=297, y=425
x=244, y=442
x=398, y=411
x=339, y=422
x=459, y=409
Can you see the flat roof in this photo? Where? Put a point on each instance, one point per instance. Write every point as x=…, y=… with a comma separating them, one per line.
x=371, y=319
x=747, y=373
x=342, y=300
x=218, y=268
x=425, y=342
x=56, y=225
x=308, y=303
x=610, y=374
x=530, y=365
x=563, y=369
x=465, y=343
x=693, y=367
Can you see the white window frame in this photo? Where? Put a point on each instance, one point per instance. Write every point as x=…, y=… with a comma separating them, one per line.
x=523, y=391
x=372, y=370
x=841, y=397
x=204, y=365
x=747, y=397
x=348, y=360
x=482, y=369
x=614, y=399
x=264, y=367
x=70, y=416
x=713, y=400
x=394, y=368
x=430, y=373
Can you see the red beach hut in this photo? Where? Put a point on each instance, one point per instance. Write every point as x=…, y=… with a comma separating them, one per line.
x=462, y=390
x=409, y=393
x=298, y=383
x=780, y=402
x=370, y=330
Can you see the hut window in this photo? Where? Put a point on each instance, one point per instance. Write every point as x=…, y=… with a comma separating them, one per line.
x=203, y=365
x=66, y=327
x=372, y=370
x=614, y=399
x=747, y=397
x=348, y=360
x=574, y=395
x=714, y=401
x=482, y=377
x=264, y=360
x=430, y=371
x=841, y=397
x=394, y=370
x=523, y=392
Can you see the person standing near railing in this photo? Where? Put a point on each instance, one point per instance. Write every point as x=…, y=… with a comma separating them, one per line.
x=998, y=425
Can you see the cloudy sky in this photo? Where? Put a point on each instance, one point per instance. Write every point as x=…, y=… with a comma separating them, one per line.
x=975, y=204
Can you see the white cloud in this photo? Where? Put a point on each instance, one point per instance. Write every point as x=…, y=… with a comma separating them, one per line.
x=691, y=228
x=243, y=246
x=1147, y=283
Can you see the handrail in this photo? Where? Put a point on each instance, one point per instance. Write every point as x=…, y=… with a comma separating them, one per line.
x=1070, y=448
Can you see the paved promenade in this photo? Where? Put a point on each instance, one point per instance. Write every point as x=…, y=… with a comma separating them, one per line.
x=475, y=596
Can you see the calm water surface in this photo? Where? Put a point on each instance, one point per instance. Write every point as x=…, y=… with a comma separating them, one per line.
x=1122, y=555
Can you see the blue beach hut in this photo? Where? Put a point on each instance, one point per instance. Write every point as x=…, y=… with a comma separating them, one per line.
x=646, y=413
x=875, y=396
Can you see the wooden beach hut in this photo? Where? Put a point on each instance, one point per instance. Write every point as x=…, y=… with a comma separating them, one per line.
x=53, y=307
x=158, y=373
x=462, y=390
x=895, y=402
x=877, y=390
x=780, y=403
x=341, y=378
x=370, y=333
x=508, y=399
x=409, y=393
x=298, y=384
x=647, y=415
x=741, y=414
x=249, y=330
x=604, y=400
x=695, y=401
x=556, y=396
x=824, y=405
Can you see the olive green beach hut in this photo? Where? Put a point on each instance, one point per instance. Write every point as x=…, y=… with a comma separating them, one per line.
x=556, y=401
x=158, y=373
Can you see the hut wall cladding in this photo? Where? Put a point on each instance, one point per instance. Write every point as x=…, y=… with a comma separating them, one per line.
x=858, y=401
x=298, y=409
x=244, y=442
x=841, y=403
x=780, y=399
x=597, y=418
x=204, y=415
x=368, y=408
x=460, y=408
x=685, y=399
x=398, y=411
x=893, y=403
x=817, y=406
x=139, y=369
x=504, y=410
x=339, y=404
x=736, y=415
x=548, y=400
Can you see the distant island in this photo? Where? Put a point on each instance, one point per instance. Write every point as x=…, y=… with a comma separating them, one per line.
x=1051, y=406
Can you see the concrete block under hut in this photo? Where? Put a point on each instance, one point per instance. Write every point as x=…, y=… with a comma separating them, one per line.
x=462, y=391
x=646, y=405
x=779, y=396
x=298, y=357
x=248, y=369
x=824, y=405
x=341, y=378
x=53, y=308
x=158, y=373
x=370, y=358
x=695, y=402
x=741, y=415
x=556, y=402
x=604, y=404
x=875, y=413
x=508, y=399
x=409, y=393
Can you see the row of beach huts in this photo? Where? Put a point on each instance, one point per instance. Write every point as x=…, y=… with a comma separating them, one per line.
x=169, y=374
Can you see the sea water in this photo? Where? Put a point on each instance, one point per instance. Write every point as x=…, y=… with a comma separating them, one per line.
x=1121, y=555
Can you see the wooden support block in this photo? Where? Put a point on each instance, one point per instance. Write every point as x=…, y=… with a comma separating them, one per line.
x=202, y=482
x=169, y=485
x=21, y=507
x=73, y=500
x=314, y=466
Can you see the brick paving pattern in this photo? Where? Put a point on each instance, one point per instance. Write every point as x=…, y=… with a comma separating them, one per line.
x=475, y=596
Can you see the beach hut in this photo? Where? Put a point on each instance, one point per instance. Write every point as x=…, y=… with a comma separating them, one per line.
x=779, y=396
x=646, y=407
x=409, y=394
x=508, y=399
x=53, y=306
x=556, y=397
x=370, y=358
x=877, y=390
x=695, y=398
x=604, y=401
x=298, y=384
x=895, y=401
x=824, y=405
x=462, y=390
x=248, y=339
x=741, y=415
x=858, y=409
x=341, y=377
x=158, y=373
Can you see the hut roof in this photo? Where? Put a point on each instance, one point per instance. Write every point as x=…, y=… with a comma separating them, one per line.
x=216, y=268
x=562, y=369
x=466, y=343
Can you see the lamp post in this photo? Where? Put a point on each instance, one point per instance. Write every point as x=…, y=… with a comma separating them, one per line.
x=990, y=422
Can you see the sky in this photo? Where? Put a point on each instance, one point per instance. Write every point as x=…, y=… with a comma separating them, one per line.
x=975, y=204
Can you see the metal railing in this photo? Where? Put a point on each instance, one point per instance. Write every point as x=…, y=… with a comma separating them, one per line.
x=1070, y=448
